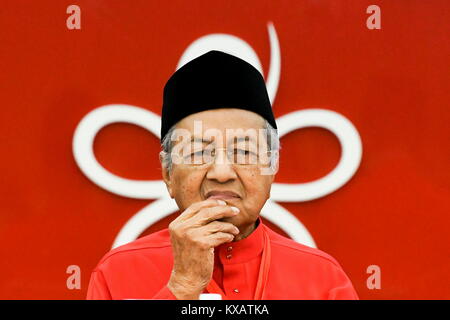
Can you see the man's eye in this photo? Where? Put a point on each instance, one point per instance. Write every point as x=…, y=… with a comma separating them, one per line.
x=242, y=152
x=197, y=153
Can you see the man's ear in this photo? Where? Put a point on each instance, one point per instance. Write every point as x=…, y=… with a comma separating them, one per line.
x=274, y=168
x=166, y=173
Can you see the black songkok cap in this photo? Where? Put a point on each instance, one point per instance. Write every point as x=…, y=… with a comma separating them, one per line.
x=214, y=80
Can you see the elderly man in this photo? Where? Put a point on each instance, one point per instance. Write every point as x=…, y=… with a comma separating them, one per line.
x=219, y=158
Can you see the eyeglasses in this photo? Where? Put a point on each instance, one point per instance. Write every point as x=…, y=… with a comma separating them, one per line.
x=235, y=155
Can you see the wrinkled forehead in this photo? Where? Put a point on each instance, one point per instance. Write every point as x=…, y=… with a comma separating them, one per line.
x=222, y=126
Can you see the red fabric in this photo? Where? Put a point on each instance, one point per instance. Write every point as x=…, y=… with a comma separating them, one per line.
x=141, y=270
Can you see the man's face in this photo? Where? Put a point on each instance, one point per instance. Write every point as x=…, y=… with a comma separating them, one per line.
x=242, y=186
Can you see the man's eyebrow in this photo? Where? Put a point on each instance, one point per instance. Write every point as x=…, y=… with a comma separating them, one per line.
x=202, y=140
x=245, y=138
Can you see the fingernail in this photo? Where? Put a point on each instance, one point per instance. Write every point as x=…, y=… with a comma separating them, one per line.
x=235, y=209
x=221, y=202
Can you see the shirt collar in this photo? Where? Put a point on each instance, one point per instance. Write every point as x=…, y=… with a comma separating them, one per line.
x=243, y=250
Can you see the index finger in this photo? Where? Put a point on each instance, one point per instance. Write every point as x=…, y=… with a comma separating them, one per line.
x=197, y=206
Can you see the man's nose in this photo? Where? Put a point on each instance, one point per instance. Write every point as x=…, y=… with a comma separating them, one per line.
x=221, y=169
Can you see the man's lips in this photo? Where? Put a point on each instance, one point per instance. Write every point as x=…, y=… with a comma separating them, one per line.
x=226, y=195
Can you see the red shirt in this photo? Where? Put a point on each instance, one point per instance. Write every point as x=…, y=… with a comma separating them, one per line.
x=141, y=269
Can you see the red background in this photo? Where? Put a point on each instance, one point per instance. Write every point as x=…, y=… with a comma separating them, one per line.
x=392, y=84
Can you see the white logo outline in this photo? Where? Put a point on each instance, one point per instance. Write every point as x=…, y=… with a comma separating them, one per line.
x=94, y=121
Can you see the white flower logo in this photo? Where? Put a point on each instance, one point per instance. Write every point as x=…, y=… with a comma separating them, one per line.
x=163, y=205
